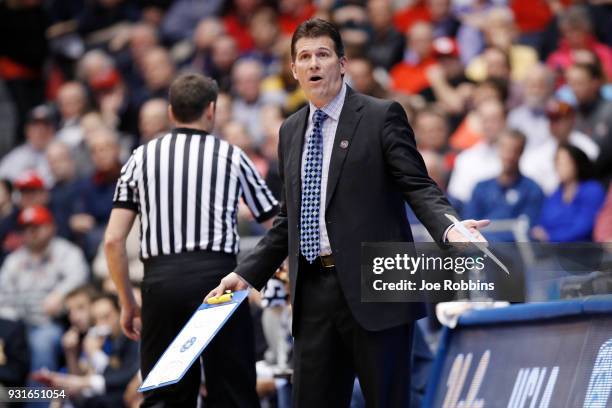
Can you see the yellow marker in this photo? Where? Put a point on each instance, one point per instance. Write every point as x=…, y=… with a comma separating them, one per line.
x=221, y=299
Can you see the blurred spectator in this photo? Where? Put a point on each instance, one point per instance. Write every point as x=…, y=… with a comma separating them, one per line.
x=264, y=30
x=30, y=191
x=436, y=168
x=283, y=88
x=603, y=224
x=444, y=23
x=431, y=130
x=78, y=307
x=568, y=215
x=24, y=50
x=65, y=190
x=236, y=18
x=410, y=76
x=577, y=34
x=539, y=163
x=206, y=33
x=237, y=134
x=39, y=131
x=34, y=280
x=594, y=114
x=72, y=104
x=501, y=32
x=361, y=78
x=415, y=12
x=385, y=47
x=157, y=71
x=183, y=16
x=223, y=113
x=352, y=22
x=530, y=117
x=510, y=194
x=100, y=20
x=142, y=38
x=96, y=192
x=224, y=55
x=116, y=102
x=153, y=119
x=112, y=360
x=247, y=75
x=479, y=162
x=94, y=63
x=293, y=12
x=449, y=87
x=14, y=353
x=586, y=57
x=498, y=68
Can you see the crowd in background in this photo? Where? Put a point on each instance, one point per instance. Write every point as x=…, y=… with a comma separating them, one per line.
x=510, y=102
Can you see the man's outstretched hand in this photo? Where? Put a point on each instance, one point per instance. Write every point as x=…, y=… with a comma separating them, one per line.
x=454, y=236
x=231, y=282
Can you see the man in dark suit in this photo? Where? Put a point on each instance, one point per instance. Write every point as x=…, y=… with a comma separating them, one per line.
x=347, y=162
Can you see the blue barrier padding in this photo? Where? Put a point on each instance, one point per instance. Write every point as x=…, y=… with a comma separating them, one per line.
x=537, y=311
x=598, y=304
x=436, y=368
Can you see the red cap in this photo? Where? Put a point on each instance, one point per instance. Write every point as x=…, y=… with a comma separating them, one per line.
x=29, y=180
x=105, y=81
x=445, y=47
x=559, y=110
x=35, y=215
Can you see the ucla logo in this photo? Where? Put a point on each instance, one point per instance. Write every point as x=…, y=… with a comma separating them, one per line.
x=600, y=383
x=188, y=344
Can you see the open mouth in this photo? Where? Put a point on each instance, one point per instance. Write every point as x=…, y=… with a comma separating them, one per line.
x=315, y=79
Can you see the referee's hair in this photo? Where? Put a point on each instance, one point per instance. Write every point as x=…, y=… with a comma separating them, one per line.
x=190, y=94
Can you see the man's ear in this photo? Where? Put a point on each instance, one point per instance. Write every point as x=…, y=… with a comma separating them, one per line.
x=210, y=111
x=293, y=71
x=343, y=65
x=171, y=115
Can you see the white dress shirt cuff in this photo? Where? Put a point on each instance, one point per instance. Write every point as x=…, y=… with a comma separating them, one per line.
x=445, y=235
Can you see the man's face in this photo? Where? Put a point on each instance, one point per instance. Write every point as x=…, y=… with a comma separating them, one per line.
x=37, y=237
x=39, y=134
x=30, y=197
x=510, y=150
x=361, y=75
x=105, y=314
x=318, y=69
x=584, y=87
x=104, y=153
x=431, y=131
x=492, y=119
x=79, y=311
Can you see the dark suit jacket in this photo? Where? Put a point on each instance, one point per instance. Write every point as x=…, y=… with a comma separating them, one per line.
x=368, y=182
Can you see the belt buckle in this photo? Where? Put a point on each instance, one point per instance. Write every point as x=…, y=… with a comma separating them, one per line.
x=327, y=261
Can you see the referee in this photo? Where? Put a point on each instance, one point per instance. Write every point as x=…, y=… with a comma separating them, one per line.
x=186, y=186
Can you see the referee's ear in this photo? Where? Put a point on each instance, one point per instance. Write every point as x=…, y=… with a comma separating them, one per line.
x=171, y=115
x=209, y=112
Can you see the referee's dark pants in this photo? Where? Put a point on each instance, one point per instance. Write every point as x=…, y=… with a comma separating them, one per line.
x=172, y=289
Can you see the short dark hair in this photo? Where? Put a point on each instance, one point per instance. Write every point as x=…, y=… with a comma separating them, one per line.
x=87, y=289
x=314, y=28
x=584, y=166
x=111, y=297
x=190, y=94
x=516, y=135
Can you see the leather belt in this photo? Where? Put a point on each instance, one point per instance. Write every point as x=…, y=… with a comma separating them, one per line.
x=327, y=261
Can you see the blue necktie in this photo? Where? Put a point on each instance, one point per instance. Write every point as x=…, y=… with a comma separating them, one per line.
x=311, y=190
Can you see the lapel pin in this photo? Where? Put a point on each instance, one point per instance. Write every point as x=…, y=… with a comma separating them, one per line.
x=344, y=144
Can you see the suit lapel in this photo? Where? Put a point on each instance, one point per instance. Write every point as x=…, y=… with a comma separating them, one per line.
x=296, y=155
x=349, y=118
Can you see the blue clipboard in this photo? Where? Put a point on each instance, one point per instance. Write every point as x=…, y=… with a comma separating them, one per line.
x=193, y=338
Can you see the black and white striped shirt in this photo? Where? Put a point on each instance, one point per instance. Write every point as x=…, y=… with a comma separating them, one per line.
x=186, y=186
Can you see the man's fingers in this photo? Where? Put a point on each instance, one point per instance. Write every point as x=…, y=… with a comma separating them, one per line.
x=476, y=223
